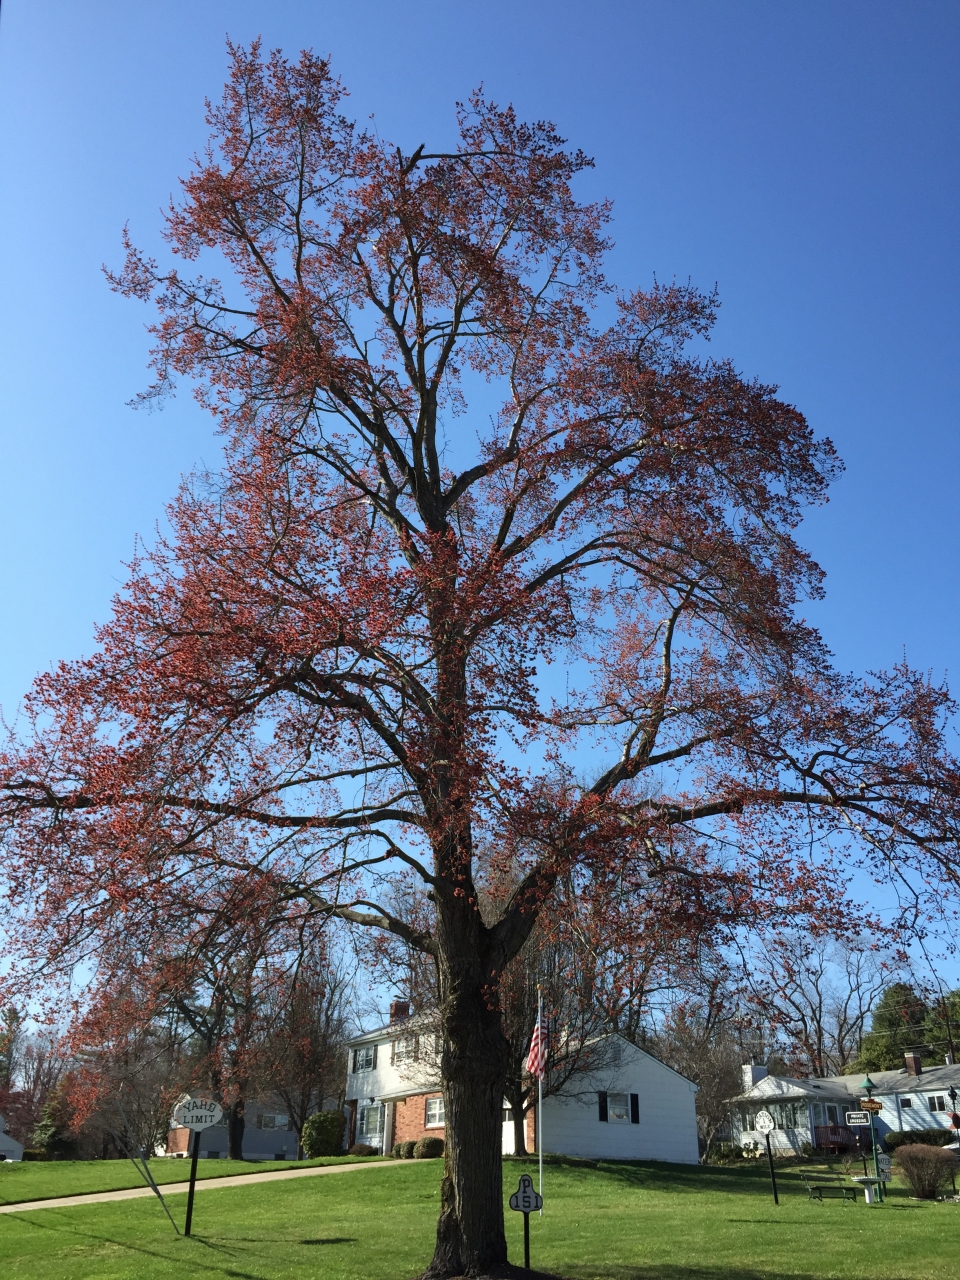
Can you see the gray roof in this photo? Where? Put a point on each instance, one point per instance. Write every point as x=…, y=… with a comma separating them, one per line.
x=842, y=1088
x=403, y=1026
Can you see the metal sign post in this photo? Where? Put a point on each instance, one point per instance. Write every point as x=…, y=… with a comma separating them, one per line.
x=195, y=1114
x=858, y=1120
x=872, y=1107
x=526, y=1200
x=766, y=1124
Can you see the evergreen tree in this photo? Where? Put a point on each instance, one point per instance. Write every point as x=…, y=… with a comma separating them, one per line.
x=898, y=1026
x=943, y=1025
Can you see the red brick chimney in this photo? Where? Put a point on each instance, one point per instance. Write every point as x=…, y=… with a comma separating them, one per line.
x=912, y=1061
x=399, y=1010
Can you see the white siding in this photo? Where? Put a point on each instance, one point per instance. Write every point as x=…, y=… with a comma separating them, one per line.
x=385, y=1079
x=668, y=1120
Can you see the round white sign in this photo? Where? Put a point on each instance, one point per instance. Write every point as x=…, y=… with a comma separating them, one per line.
x=764, y=1122
x=197, y=1113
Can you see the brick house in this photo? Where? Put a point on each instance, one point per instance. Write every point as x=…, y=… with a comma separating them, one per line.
x=633, y=1107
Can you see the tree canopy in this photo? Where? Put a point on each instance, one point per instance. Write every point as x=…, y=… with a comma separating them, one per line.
x=498, y=582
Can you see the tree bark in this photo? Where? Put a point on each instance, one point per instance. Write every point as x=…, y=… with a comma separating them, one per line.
x=235, y=1128
x=470, y=1232
x=516, y=1095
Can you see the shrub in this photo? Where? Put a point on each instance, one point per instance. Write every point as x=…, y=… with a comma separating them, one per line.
x=924, y=1137
x=362, y=1149
x=927, y=1168
x=36, y=1153
x=397, y=1151
x=407, y=1152
x=323, y=1134
x=428, y=1149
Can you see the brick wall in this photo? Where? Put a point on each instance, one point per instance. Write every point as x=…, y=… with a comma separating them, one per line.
x=177, y=1141
x=408, y=1119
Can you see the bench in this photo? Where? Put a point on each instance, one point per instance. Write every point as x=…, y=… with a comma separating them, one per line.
x=829, y=1184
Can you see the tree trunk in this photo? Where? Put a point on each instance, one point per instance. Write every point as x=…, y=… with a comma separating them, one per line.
x=470, y=1232
x=235, y=1127
x=517, y=1097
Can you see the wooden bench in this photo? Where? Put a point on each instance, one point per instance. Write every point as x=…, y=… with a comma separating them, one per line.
x=829, y=1184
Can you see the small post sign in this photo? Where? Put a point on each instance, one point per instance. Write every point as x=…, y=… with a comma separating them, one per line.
x=858, y=1119
x=195, y=1114
x=525, y=1200
x=766, y=1124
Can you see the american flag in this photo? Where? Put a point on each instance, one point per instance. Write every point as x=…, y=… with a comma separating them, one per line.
x=537, y=1057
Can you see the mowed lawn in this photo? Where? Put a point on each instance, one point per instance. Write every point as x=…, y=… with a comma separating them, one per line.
x=40, y=1180
x=601, y=1222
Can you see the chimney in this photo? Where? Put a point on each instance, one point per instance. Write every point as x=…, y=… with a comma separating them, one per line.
x=399, y=1009
x=912, y=1061
x=751, y=1074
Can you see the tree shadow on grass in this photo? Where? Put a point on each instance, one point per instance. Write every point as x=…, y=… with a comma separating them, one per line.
x=661, y=1271
x=652, y=1175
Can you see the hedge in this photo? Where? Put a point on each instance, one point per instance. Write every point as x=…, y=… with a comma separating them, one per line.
x=924, y=1137
x=323, y=1134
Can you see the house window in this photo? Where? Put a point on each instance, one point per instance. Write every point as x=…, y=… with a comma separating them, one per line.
x=365, y=1059
x=906, y=1102
x=618, y=1108
x=368, y=1124
x=937, y=1102
x=507, y=1115
x=273, y=1122
x=833, y=1115
x=406, y=1049
x=433, y=1118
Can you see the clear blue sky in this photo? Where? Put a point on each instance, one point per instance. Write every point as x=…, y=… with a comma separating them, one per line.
x=803, y=156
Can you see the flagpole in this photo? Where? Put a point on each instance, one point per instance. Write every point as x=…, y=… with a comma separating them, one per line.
x=540, y=1095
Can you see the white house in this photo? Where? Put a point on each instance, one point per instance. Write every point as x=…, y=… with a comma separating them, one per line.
x=632, y=1108
x=10, y=1148
x=814, y=1112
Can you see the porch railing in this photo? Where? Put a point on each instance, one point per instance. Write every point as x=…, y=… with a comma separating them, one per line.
x=834, y=1135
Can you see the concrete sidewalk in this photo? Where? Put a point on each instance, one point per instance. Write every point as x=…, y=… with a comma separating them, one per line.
x=203, y=1184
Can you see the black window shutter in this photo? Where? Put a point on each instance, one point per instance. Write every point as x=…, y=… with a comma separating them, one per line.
x=354, y=1067
x=634, y=1108
x=374, y=1055
x=602, y=1099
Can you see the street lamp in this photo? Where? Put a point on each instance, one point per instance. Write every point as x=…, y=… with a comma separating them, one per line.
x=868, y=1087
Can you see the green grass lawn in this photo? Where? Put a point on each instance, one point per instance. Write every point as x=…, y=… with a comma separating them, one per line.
x=601, y=1222
x=40, y=1180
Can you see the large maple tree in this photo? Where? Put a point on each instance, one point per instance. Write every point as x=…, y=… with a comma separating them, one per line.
x=498, y=579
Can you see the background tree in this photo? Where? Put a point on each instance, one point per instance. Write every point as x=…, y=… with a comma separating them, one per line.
x=898, y=1026
x=696, y=1039
x=943, y=1022
x=305, y=1018
x=817, y=992
x=339, y=665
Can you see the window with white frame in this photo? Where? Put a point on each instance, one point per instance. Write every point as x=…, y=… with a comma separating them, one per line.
x=365, y=1058
x=434, y=1116
x=269, y=1121
x=906, y=1102
x=618, y=1108
x=936, y=1102
x=406, y=1049
x=368, y=1123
